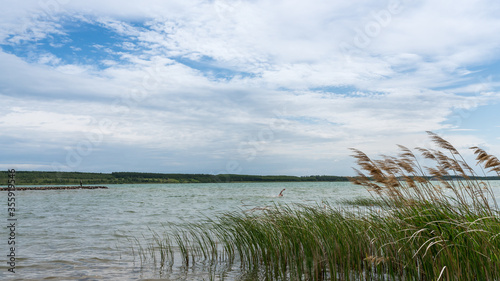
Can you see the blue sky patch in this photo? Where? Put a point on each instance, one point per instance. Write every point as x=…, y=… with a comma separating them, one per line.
x=78, y=43
x=209, y=67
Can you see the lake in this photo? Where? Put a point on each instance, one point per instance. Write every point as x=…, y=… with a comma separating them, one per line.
x=89, y=234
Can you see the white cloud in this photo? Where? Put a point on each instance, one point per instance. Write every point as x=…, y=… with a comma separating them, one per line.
x=26, y=167
x=412, y=76
x=49, y=59
x=48, y=122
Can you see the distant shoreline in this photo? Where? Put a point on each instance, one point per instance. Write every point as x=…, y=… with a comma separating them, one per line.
x=73, y=178
x=44, y=178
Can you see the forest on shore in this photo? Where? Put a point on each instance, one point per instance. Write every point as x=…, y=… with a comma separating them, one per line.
x=70, y=178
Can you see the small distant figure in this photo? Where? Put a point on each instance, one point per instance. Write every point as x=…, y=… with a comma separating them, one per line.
x=81, y=184
x=281, y=193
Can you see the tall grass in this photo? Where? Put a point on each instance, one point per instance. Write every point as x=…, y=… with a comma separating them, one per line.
x=430, y=223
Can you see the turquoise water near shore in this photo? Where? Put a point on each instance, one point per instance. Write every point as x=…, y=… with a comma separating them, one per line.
x=85, y=234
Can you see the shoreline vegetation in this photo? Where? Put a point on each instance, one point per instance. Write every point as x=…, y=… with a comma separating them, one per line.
x=74, y=178
x=417, y=229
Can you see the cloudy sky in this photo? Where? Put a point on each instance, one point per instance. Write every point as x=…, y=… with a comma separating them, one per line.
x=242, y=86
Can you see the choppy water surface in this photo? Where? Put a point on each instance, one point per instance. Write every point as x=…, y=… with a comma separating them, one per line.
x=85, y=234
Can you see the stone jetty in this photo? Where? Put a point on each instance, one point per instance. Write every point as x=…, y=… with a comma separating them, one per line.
x=54, y=187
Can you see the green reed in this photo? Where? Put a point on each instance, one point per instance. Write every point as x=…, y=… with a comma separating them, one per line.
x=420, y=229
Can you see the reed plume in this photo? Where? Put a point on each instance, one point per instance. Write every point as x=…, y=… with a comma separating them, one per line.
x=438, y=222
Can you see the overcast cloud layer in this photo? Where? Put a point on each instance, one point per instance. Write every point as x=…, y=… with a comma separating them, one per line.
x=249, y=87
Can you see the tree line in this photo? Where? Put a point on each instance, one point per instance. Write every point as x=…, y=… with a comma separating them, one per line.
x=46, y=178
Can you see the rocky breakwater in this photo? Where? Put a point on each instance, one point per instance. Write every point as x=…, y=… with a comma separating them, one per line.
x=54, y=187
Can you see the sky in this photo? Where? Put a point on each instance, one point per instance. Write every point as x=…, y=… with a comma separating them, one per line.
x=261, y=87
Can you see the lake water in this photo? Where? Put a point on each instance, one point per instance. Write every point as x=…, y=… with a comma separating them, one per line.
x=86, y=234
